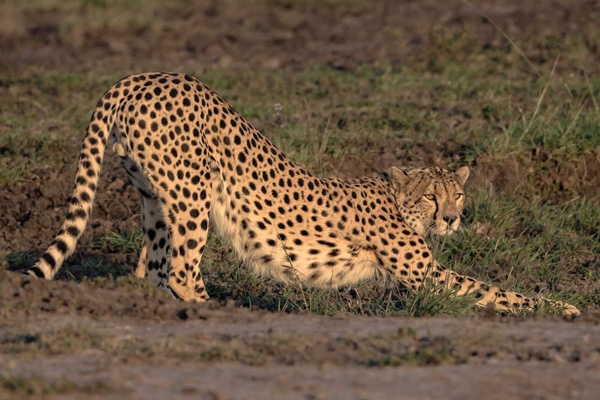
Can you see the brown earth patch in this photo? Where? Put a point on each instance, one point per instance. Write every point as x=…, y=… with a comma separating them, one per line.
x=561, y=180
x=280, y=34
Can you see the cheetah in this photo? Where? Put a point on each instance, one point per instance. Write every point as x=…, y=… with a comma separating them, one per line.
x=197, y=162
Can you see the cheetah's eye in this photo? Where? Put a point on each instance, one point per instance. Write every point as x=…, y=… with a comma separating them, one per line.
x=430, y=197
x=459, y=195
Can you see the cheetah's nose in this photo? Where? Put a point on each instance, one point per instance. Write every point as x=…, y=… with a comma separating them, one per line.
x=449, y=219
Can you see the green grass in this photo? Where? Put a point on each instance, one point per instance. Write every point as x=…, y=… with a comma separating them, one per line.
x=122, y=242
x=64, y=340
x=19, y=385
x=405, y=347
x=39, y=386
x=327, y=115
x=531, y=245
x=538, y=233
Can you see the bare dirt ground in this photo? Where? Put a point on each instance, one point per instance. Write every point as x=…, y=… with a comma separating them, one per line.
x=104, y=341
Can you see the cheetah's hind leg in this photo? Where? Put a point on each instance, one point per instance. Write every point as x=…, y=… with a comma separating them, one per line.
x=155, y=246
x=189, y=232
x=152, y=262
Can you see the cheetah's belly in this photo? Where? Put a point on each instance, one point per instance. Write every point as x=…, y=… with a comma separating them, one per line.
x=261, y=246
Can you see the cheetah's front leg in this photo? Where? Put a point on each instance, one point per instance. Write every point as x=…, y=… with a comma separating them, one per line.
x=411, y=262
x=505, y=300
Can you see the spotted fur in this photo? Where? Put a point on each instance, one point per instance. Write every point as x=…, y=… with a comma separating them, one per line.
x=197, y=162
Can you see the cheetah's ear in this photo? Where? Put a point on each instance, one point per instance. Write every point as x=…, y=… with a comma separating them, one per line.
x=398, y=177
x=463, y=174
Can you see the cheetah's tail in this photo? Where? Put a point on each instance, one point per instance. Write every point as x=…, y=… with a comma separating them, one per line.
x=82, y=199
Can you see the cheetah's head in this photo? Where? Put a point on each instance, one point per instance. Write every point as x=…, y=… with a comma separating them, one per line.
x=430, y=200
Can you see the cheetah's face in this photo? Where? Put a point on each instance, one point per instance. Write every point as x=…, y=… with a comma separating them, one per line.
x=430, y=200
